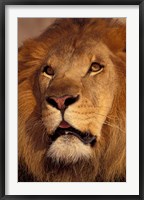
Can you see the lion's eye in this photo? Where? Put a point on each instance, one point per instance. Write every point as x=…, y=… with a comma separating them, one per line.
x=96, y=67
x=48, y=70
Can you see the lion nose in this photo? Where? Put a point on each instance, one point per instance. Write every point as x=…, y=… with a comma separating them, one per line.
x=61, y=103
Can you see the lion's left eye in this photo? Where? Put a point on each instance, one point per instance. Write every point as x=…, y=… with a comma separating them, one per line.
x=48, y=71
x=96, y=67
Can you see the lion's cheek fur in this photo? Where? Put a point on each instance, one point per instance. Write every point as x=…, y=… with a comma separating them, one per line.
x=51, y=118
x=88, y=118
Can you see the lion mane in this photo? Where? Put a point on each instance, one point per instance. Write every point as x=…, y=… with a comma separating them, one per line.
x=71, y=102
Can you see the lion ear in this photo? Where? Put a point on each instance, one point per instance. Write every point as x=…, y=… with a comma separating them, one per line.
x=115, y=35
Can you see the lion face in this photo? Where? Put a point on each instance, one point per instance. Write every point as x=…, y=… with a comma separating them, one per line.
x=74, y=86
x=72, y=94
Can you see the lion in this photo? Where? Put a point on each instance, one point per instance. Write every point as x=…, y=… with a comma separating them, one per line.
x=72, y=102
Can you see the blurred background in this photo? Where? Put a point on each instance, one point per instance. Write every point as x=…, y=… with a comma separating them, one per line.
x=32, y=27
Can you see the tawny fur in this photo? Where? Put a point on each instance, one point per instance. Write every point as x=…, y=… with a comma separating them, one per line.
x=68, y=45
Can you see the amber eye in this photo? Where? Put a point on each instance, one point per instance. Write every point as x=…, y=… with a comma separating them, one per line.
x=48, y=70
x=96, y=67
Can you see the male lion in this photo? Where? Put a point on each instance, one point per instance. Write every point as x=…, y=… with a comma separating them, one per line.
x=71, y=101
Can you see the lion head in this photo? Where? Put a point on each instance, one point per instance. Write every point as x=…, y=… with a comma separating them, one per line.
x=71, y=102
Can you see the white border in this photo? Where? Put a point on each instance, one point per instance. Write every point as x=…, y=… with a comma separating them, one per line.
x=131, y=187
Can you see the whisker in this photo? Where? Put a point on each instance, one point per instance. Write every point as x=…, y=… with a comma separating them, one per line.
x=105, y=116
x=113, y=126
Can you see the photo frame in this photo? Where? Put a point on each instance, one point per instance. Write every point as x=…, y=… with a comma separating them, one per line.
x=4, y=100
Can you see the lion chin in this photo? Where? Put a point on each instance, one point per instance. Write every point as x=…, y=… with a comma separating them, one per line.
x=71, y=100
x=69, y=149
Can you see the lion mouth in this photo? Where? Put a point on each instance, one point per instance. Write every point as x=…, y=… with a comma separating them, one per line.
x=86, y=138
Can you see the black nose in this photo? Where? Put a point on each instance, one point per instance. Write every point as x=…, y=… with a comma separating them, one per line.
x=61, y=103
